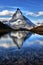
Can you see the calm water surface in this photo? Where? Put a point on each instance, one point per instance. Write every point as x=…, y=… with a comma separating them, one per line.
x=29, y=53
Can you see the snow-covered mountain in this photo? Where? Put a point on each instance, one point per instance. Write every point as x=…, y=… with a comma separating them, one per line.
x=19, y=20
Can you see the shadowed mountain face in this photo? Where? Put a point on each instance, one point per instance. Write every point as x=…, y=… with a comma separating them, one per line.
x=4, y=29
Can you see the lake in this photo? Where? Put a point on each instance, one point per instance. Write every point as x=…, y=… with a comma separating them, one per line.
x=28, y=51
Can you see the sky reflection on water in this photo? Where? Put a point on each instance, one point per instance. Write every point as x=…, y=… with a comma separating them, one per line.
x=32, y=39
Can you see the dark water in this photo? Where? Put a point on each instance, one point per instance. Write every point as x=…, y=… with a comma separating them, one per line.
x=29, y=53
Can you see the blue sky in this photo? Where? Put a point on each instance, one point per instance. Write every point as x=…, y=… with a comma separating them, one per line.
x=32, y=9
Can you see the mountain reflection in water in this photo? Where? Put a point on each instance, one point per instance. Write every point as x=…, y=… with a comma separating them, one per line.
x=31, y=53
x=19, y=37
x=16, y=38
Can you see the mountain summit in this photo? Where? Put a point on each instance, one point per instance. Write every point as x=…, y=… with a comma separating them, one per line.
x=18, y=12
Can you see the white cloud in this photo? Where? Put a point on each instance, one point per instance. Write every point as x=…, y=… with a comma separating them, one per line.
x=40, y=13
x=6, y=13
x=37, y=21
x=10, y=13
x=38, y=42
x=6, y=42
x=4, y=19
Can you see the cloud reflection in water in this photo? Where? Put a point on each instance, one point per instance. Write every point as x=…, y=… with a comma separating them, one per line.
x=21, y=39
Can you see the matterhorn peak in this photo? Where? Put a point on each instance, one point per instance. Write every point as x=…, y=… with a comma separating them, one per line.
x=17, y=15
x=19, y=19
x=18, y=11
